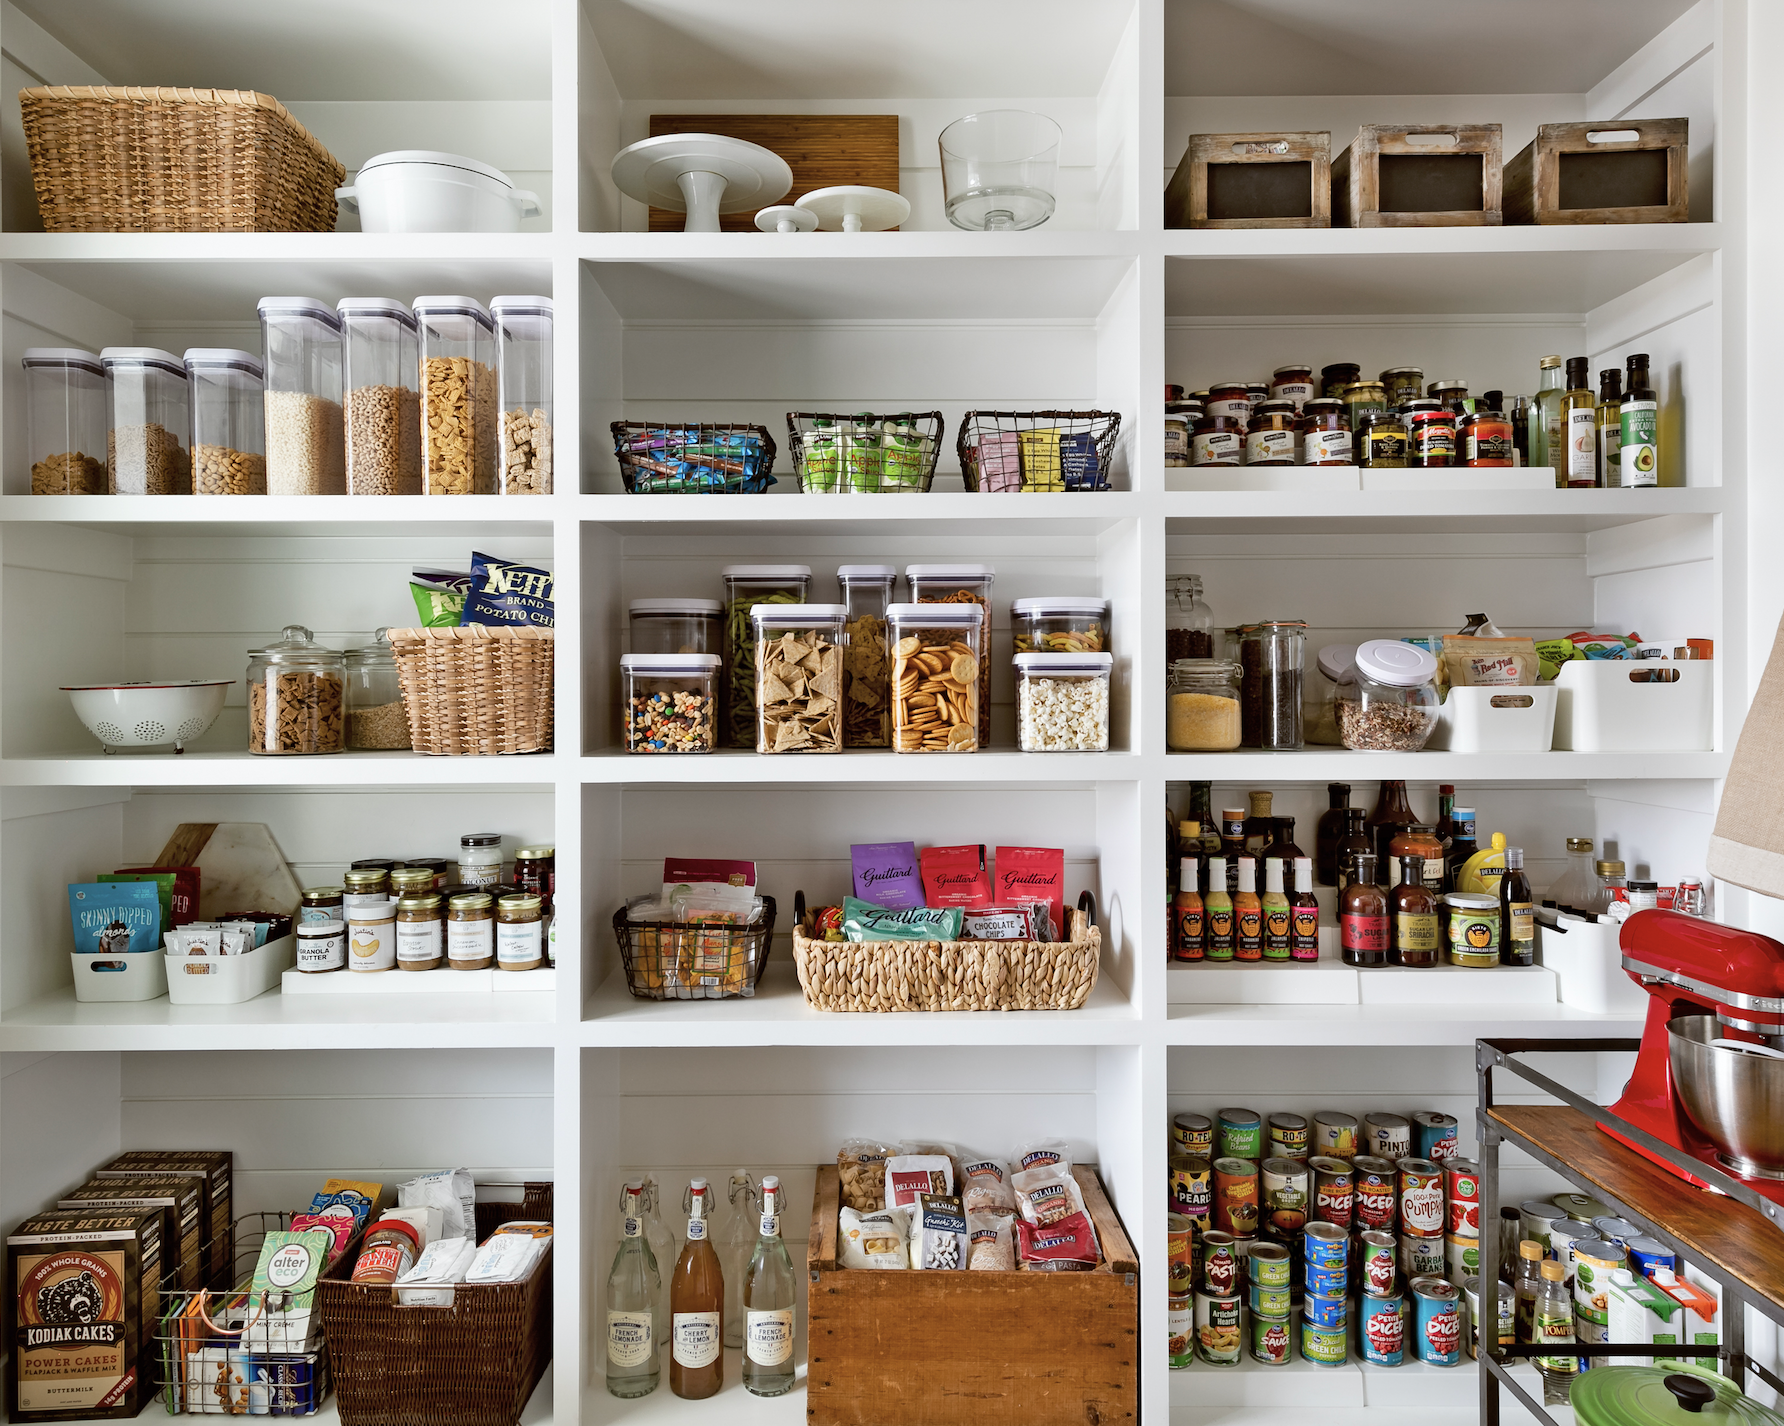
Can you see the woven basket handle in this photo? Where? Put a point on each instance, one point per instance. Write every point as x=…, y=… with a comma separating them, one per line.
x=1086, y=914
x=799, y=907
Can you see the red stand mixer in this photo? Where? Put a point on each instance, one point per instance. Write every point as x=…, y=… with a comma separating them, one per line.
x=1710, y=1075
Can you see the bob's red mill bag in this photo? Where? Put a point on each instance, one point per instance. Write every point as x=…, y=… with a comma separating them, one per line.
x=85, y=1298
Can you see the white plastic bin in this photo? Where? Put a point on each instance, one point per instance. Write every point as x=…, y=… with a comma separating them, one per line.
x=1588, y=966
x=1616, y=706
x=1496, y=720
x=138, y=976
x=227, y=980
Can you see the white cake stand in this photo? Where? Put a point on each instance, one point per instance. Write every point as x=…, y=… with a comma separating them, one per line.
x=856, y=209
x=786, y=218
x=702, y=175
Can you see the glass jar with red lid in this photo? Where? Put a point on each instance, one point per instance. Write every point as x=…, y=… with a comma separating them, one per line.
x=1430, y=434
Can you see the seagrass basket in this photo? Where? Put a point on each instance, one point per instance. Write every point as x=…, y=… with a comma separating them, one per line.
x=116, y=159
x=476, y=689
x=878, y=977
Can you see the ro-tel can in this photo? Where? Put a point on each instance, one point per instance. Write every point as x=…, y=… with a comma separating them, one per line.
x=1269, y=1264
x=1194, y=1134
x=1377, y=1183
x=1183, y=1329
x=1381, y=1328
x=1461, y=1258
x=1534, y=1220
x=1434, y=1136
x=1217, y=1329
x=1271, y=1341
x=1420, y=1257
x=1461, y=1190
x=1577, y=1205
x=1241, y=1134
x=1220, y=1263
x=1473, y=921
x=1192, y=1187
x=1235, y=1197
x=1378, y=1251
x=1387, y=1136
x=1325, y=1346
x=1288, y=1136
x=1422, y=1212
x=1646, y=1254
x=1286, y=1184
x=1335, y=1134
x=1324, y=1310
x=1181, y=1236
x=1593, y=1263
x=1334, y=1190
x=1269, y=1301
x=1439, y=1333
x=1616, y=1230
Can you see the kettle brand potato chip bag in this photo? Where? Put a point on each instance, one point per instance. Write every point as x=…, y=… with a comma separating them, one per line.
x=955, y=876
x=503, y=592
x=1033, y=874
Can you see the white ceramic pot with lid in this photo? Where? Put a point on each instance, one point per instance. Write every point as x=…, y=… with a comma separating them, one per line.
x=423, y=191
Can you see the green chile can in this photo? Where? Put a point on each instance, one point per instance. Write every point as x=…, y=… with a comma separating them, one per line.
x=1270, y=1301
x=1325, y=1346
x=1473, y=929
x=1269, y=1264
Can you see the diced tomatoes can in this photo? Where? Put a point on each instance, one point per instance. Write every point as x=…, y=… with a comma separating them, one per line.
x=1439, y=1321
x=1334, y=1190
x=1377, y=1184
x=1434, y=1136
x=1381, y=1328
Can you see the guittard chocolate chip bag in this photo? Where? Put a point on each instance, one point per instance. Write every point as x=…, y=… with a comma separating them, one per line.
x=1033, y=874
x=886, y=874
x=955, y=876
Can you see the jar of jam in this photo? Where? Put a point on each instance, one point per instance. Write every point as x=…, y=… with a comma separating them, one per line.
x=420, y=944
x=520, y=932
x=471, y=931
x=411, y=881
x=1430, y=434
x=1360, y=397
x=320, y=903
x=321, y=946
x=1231, y=399
x=1381, y=441
x=1340, y=374
x=1401, y=384
x=1270, y=438
x=1325, y=433
x=1292, y=383
x=1217, y=440
x=1485, y=438
x=535, y=870
x=389, y=1250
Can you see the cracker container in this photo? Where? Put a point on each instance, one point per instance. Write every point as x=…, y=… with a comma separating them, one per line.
x=65, y=421
x=675, y=626
x=937, y=663
x=961, y=584
x=798, y=677
x=228, y=428
x=306, y=452
x=382, y=377
x=523, y=359
x=296, y=696
x=148, y=422
x=747, y=585
x=458, y=396
x=866, y=668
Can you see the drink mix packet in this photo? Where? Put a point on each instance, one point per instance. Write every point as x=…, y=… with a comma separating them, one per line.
x=1026, y=874
x=955, y=876
x=886, y=874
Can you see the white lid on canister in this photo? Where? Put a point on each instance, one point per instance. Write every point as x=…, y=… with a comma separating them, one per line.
x=300, y=307
x=1336, y=660
x=376, y=307
x=62, y=356
x=142, y=356
x=866, y=574
x=223, y=356
x=1042, y=605
x=798, y=616
x=936, y=615
x=949, y=571
x=765, y=571
x=669, y=663
x=450, y=305
x=1063, y=663
x=520, y=305
x=1396, y=664
x=704, y=608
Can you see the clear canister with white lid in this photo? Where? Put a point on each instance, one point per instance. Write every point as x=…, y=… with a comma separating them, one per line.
x=961, y=584
x=675, y=626
x=798, y=677
x=523, y=360
x=937, y=656
x=459, y=404
x=1060, y=624
x=670, y=702
x=747, y=585
x=228, y=424
x=65, y=420
x=148, y=422
x=302, y=353
x=866, y=708
x=1062, y=702
x=1319, y=695
x=1389, y=701
x=381, y=375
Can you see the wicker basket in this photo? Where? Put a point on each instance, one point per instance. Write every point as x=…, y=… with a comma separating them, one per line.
x=1007, y=451
x=690, y=458
x=669, y=960
x=479, y=688
x=474, y=1363
x=883, y=976
x=848, y=471
x=124, y=160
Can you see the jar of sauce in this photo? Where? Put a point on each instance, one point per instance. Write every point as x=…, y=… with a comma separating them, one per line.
x=1292, y=383
x=371, y=937
x=1217, y=440
x=1430, y=434
x=365, y=887
x=1334, y=378
x=1176, y=441
x=389, y=1250
x=383, y=864
x=1325, y=433
x=480, y=859
x=1486, y=439
x=1257, y=392
x=1270, y=438
x=420, y=942
x=535, y=870
x=520, y=932
x=1421, y=841
x=1231, y=399
x=1381, y=440
x=1402, y=384
x=321, y=946
x=1412, y=909
x=320, y=903
x=471, y=931
x=1361, y=397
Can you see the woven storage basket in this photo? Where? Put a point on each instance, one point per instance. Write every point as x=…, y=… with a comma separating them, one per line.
x=124, y=160
x=474, y=1363
x=479, y=688
x=882, y=976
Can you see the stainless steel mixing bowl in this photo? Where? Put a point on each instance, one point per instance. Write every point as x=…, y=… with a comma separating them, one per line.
x=1735, y=1099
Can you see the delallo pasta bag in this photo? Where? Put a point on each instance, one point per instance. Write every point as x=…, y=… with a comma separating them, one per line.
x=1033, y=874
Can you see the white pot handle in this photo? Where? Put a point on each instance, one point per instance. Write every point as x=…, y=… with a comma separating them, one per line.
x=348, y=198
x=529, y=203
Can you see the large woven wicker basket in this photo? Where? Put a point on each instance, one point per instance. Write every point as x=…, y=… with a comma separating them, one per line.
x=111, y=159
x=479, y=688
x=882, y=976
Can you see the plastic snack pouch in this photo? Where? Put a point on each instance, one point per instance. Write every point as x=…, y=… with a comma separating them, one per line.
x=864, y=922
x=437, y=608
x=955, y=876
x=885, y=873
x=509, y=593
x=998, y=923
x=1032, y=874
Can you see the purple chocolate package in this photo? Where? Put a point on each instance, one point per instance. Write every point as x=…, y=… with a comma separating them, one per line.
x=886, y=874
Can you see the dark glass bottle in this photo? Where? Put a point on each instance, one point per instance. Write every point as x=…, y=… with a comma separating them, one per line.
x=1412, y=907
x=1352, y=845
x=1392, y=815
x=1446, y=814
x=1283, y=844
x=1260, y=826
x=1232, y=844
x=1330, y=832
x=1363, y=917
x=1462, y=846
x=1517, y=913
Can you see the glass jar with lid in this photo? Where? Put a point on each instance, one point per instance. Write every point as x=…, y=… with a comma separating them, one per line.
x=471, y=930
x=458, y=396
x=1486, y=438
x=1389, y=702
x=228, y=422
x=523, y=369
x=535, y=870
x=1359, y=398
x=1215, y=439
x=149, y=416
x=1189, y=622
x=866, y=709
x=1448, y=394
x=306, y=447
x=1202, y=706
x=961, y=584
x=1292, y=383
x=1270, y=436
x=1060, y=624
x=1231, y=399
x=371, y=938
x=675, y=626
x=1177, y=439
x=480, y=859
x=381, y=373
x=1270, y=662
x=937, y=659
x=65, y=421
x=1319, y=695
x=798, y=677
x=377, y=716
x=520, y=931
x=1062, y=702
x=1430, y=434
x=1401, y=384
x=1335, y=379
x=1381, y=441
x=296, y=700
x=321, y=946
x=320, y=903
x=363, y=886
x=670, y=702
x=420, y=932
x=408, y=880
x=747, y=585
x=1325, y=433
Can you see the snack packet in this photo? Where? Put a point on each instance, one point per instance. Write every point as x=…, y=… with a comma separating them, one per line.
x=1032, y=874
x=908, y=1175
x=885, y=873
x=861, y=1165
x=452, y=1191
x=872, y=1240
x=985, y=1184
x=507, y=593
x=991, y=1240
x=165, y=887
x=938, y=1233
x=862, y=921
x=1039, y=1153
x=1068, y=1245
x=1473, y=662
x=997, y=923
x=955, y=876
x=1046, y=1195
x=437, y=608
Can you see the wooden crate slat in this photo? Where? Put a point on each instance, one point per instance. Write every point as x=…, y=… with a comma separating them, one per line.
x=1385, y=180
x=1562, y=166
x=1257, y=180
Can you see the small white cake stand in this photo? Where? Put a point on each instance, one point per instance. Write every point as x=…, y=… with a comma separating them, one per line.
x=786, y=218
x=702, y=175
x=856, y=209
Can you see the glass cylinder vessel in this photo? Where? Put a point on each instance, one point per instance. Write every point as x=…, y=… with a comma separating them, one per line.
x=296, y=696
x=306, y=449
x=937, y=658
x=65, y=421
x=1189, y=623
x=228, y=422
x=1202, y=707
x=798, y=677
x=675, y=626
x=1060, y=624
x=381, y=373
x=458, y=396
x=377, y=716
x=149, y=417
x=1270, y=658
x=523, y=365
x=998, y=170
x=961, y=584
x=1389, y=701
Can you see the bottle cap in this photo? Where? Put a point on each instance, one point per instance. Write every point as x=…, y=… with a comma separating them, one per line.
x=1609, y=868
x=1552, y=1272
x=1514, y=858
x=1530, y=1248
x=1579, y=844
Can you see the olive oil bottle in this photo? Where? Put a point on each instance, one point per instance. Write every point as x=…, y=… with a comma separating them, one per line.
x=1579, y=429
x=1609, y=420
x=1546, y=447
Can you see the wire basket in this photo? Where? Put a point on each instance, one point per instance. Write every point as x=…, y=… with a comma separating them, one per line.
x=675, y=458
x=680, y=960
x=1035, y=451
x=839, y=455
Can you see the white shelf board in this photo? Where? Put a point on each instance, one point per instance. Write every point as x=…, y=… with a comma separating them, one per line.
x=662, y=1407
x=1384, y=1025
x=1342, y=765
x=93, y=767
x=369, y=516
x=1329, y=981
x=960, y=512
x=1413, y=1385
x=345, y=984
x=1483, y=509
x=996, y=765
x=778, y=1015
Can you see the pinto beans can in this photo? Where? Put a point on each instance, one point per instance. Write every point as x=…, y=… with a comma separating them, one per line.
x=1388, y=1136
x=1236, y=1197
x=1439, y=1321
x=1377, y=1184
x=1334, y=1190
x=1286, y=1185
x=1461, y=1188
x=1381, y=1329
x=1422, y=1211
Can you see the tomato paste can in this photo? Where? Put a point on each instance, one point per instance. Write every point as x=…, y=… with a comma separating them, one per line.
x=1461, y=1189
x=1183, y=1329
x=1236, y=1197
x=1269, y=1265
x=1387, y=1136
x=1335, y=1134
x=1439, y=1332
x=1192, y=1187
x=1377, y=1184
x=1422, y=1212
x=1325, y=1245
x=1434, y=1136
x=1285, y=1195
x=1194, y=1134
x=1334, y=1190
x=1270, y=1339
x=1325, y=1346
x=1217, y=1329
x=1381, y=1328
x=1240, y=1133
x=1220, y=1263
x=1461, y=1258
x=1288, y=1136
x=1270, y=1301
x=1378, y=1252
x=1420, y=1257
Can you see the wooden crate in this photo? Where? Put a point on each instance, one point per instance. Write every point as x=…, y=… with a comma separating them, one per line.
x=972, y=1348
x=1386, y=180
x=1563, y=177
x=1252, y=181
x=823, y=150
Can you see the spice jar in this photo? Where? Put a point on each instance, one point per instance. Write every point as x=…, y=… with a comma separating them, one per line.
x=520, y=932
x=1293, y=383
x=458, y=396
x=1270, y=661
x=1270, y=438
x=381, y=373
x=377, y=717
x=364, y=887
x=1060, y=624
x=747, y=585
x=480, y=859
x=320, y=903
x=148, y=420
x=1381, y=441
x=1430, y=434
x=321, y=945
x=389, y=1250
x=295, y=696
x=961, y=584
x=523, y=377
x=228, y=422
x=1335, y=379
x=866, y=660
x=1486, y=439
x=535, y=870
x=1389, y=704
x=670, y=702
x=65, y=421
x=419, y=942
x=1202, y=707
x=1217, y=440
x=371, y=936
x=675, y=626
x=1325, y=432
x=798, y=677
x=937, y=661
x=1062, y=702
x=470, y=930
x=1400, y=384
x=306, y=451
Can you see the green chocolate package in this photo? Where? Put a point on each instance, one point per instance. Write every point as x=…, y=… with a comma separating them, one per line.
x=863, y=921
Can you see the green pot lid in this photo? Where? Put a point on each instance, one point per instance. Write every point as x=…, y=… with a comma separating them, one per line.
x=1664, y=1396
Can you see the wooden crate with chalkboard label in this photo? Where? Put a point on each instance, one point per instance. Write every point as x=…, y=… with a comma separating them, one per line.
x=1252, y=181
x=1419, y=176
x=1603, y=171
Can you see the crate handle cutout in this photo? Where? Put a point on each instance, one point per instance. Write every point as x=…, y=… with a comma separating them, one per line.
x=1431, y=141
x=1613, y=136
x=1511, y=700
x=1279, y=146
x=1653, y=675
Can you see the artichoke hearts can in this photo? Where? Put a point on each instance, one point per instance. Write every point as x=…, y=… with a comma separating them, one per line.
x=1335, y=1134
x=1289, y=1136
x=1285, y=1193
x=1387, y=1136
x=1334, y=1190
x=1194, y=1134
x=1271, y=1342
x=1381, y=1328
x=1377, y=1184
x=1241, y=1134
x=1236, y=1196
x=1434, y=1136
x=1325, y=1346
x=1422, y=1212
x=1183, y=1328
x=1217, y=1329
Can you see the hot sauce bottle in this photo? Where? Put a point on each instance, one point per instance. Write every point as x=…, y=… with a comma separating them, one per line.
x=1303, y=942
x=1248, y=914
x=1217, y=912
x=1276, y=912
x=1187, y=914
x=1363, y=917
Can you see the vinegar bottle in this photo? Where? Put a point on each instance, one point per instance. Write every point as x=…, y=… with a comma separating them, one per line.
x=1248, y=914
x=697, y=1307
x=1517, y=913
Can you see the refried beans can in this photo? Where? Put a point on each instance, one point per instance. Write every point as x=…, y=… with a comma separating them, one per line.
x=1334, y=1191
x=1461, y=1186
x=1377, y=1183
x=1422, y=1211
x=1241, y=1134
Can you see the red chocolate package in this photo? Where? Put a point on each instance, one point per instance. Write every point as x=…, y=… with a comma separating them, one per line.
x=955, y=876
x=1068, y=1246
x=1033, y=874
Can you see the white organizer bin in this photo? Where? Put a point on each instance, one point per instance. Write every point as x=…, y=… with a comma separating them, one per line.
x=444, y=981
x=1588, y=967
x=143, y=976
x=1604, y=708
x=227, y=980
x=1496, y=720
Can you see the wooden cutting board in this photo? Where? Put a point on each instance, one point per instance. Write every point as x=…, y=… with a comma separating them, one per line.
x=240, y=867
x=823, y=150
